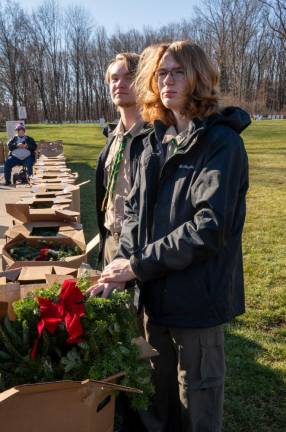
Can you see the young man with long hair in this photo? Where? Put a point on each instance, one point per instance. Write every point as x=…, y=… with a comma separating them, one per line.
x=181, y=237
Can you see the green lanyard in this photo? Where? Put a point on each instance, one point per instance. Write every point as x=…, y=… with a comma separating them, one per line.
x=112, y=179
x=175, y=144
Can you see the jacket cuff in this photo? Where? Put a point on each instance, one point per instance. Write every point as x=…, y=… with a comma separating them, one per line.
x=136, y=267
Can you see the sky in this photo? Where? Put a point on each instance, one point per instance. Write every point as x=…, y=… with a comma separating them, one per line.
x=127, y=14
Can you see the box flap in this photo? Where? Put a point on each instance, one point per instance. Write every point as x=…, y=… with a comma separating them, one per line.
x=30, y=288
x=23, y=213
x=34, y=273
x=146, y=350
x=64, y=270
x=92, y=243
x=83, y=183
x=60, y=385
x=11, y=274
x=18, y=211
x=10, y=293
x=57, y=278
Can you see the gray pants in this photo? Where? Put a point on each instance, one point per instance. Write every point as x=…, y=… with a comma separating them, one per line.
x=189, y=378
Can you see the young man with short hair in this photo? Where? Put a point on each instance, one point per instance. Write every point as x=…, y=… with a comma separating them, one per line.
x=22, y=152
x=117, y=163
x=181, y=237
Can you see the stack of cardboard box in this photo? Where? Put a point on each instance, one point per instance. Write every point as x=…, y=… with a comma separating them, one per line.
x=51, y=213
x=48, y=214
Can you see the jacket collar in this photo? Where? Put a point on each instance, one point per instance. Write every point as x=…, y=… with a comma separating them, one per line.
x=110, y=128
x=161, y=128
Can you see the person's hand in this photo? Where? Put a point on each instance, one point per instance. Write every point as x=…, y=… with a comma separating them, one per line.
x=105, y=289
x=119, y=270
x=22, y=145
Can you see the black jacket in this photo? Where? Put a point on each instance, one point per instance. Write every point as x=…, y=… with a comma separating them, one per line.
x=32, y=146
x=136, y=149
x=184, y=221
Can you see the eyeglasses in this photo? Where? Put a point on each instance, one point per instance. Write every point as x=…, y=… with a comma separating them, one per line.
x=177, y=74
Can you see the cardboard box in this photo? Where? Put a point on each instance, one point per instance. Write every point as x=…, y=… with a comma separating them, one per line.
x=74, y=190
x=50, y=149
x=69, y=262
x=21, y=281
x=63, y=406
x=10, y=292
x=34, y=229
x=52, y=169
x=58, y=180
x=50, y=195
x=54, y=174
x=59, y=202
x=47, y=158
x=23, y=213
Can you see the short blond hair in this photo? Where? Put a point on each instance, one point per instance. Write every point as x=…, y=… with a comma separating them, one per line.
x=202, y=77
x=130, y=59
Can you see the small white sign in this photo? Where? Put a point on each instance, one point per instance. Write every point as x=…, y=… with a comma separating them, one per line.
x=22, y=113
x=10, y=127
x=102, y=121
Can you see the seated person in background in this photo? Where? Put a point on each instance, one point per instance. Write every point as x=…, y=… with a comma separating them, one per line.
x=22, y=152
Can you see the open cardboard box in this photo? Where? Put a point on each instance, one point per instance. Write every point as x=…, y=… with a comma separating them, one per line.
x=38, y=229
x=69, y=262
x=52, y=169
x=16, y=282
x=65, y=406
x=50, y=149
x=56, y=177
x=23, y=213
x=53, y=203
x=58, y=180
x=55, y=174
x=46, y=164
x=61, y=156
x=47, y=195
x=74, y=190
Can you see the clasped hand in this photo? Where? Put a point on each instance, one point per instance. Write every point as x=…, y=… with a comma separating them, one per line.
x=114, y=276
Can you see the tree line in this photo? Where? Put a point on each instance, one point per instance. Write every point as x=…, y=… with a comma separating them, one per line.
x=53, y=60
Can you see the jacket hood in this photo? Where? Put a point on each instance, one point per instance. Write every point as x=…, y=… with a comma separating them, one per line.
x=233, y=117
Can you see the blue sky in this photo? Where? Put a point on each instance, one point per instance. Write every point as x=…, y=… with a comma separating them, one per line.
x=128, y=14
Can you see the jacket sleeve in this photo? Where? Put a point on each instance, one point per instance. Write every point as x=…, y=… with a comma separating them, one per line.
x=12, y=145
x=218, y=196
x=31, y=144
x=129, y=234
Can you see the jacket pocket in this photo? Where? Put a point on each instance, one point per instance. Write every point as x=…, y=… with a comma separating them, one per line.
x=212, y=366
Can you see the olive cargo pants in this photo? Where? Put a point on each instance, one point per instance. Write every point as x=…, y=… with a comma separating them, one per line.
x=188, y=377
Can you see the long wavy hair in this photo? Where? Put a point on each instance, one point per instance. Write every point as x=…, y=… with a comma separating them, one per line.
x=201, y=99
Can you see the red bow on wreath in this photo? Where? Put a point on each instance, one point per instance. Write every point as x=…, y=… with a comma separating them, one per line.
x=69, y=309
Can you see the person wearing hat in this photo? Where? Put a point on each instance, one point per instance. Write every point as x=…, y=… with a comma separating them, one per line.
x=22, y=152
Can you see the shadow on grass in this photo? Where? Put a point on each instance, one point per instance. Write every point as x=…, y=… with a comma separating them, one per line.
x=87, y=204
x=267, y=176
x=254, y=393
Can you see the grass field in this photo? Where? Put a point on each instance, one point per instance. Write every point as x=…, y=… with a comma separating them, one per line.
x=255, y=399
